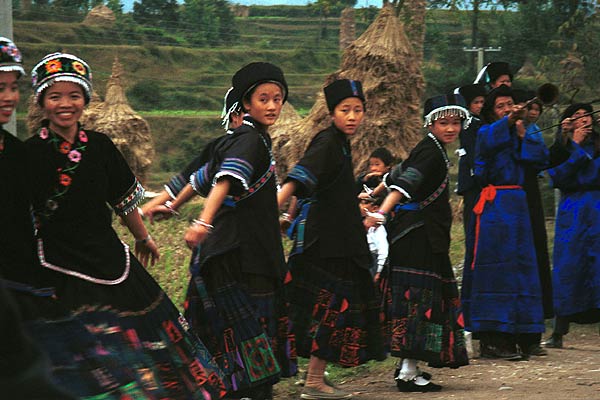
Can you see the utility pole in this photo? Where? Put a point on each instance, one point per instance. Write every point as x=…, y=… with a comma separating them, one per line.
x=480, y=53
x=6, y=30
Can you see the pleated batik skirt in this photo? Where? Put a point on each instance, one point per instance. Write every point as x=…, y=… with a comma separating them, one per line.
x=423, y=314
x=334, y=309
x=132, y=324
x=243, y=320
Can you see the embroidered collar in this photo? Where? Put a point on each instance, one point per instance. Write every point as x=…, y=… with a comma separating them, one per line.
x=250, y=122
x=72, y=154
x=441, y=148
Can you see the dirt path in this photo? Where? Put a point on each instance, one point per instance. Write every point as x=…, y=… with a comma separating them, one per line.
x=569, y=373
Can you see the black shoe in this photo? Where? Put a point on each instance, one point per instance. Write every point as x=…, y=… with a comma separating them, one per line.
x=493, y=352
x=535, y=350
x=554, y=341
x=423, y=374
x=411, y=386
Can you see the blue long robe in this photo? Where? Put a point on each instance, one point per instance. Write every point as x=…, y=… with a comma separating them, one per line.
x=576, y=274
x=501, y=290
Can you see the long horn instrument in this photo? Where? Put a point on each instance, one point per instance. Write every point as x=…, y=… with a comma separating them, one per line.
x=546, y=93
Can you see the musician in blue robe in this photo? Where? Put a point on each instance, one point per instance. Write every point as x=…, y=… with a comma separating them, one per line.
x=501, y=291
x=575, y=160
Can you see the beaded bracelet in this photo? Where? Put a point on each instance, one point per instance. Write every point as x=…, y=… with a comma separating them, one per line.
x=169, y=205
x=144, y=240
x=203, y=223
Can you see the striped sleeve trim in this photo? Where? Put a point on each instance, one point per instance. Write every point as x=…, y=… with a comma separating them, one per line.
x=304, y=176
x=238, y=168
x=130, y=200
x=200, y=181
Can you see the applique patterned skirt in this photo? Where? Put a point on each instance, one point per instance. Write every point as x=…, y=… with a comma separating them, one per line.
x=144, y=350
x=424, y=318
x=243, y=321
x=334, y=310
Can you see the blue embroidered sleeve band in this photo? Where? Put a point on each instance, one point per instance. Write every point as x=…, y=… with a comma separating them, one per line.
x=237, y=168
x=130, y=200
x=304, y=176
x=200, y=181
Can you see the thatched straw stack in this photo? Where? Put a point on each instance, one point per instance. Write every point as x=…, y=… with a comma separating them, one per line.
x=382, y=58
x=93, y=111
x=129, y=131
x=100, y=16
x=35, y=115
x=288, y=118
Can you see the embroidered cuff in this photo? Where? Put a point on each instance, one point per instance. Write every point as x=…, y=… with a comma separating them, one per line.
x=130, y=200
x=237, y=177
x=200, y=181
x=304, y=176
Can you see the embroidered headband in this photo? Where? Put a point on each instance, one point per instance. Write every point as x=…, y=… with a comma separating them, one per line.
x=61, y=67
x=446, y=105
x=10, y=57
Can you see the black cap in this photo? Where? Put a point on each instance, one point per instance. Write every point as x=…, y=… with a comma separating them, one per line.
x=493, y=71
x=341, y=89
x=253, y=74
x=573, y=108
x=470, y=92
x=488, y=106
x=522, y=95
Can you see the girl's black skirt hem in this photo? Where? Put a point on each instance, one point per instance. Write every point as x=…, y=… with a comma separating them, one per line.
x=334, y=310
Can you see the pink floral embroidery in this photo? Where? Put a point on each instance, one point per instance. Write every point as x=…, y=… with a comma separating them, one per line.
x=83, y=137
x=44, y=133
x=74, y=156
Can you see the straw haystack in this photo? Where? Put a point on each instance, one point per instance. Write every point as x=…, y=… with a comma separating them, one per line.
x=382, y=58
x=100, y=16
x=35, y=115
x=129, y=131
x=92, y=111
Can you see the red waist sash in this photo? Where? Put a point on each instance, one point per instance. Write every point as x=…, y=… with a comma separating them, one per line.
x=488, y=194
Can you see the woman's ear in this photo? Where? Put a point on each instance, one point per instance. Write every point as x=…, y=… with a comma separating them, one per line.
x=245, y=105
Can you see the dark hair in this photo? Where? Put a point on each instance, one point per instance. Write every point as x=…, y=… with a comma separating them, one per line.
x=538, y=102
x=247, y=96
x=487, y=112
x=384, y=155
